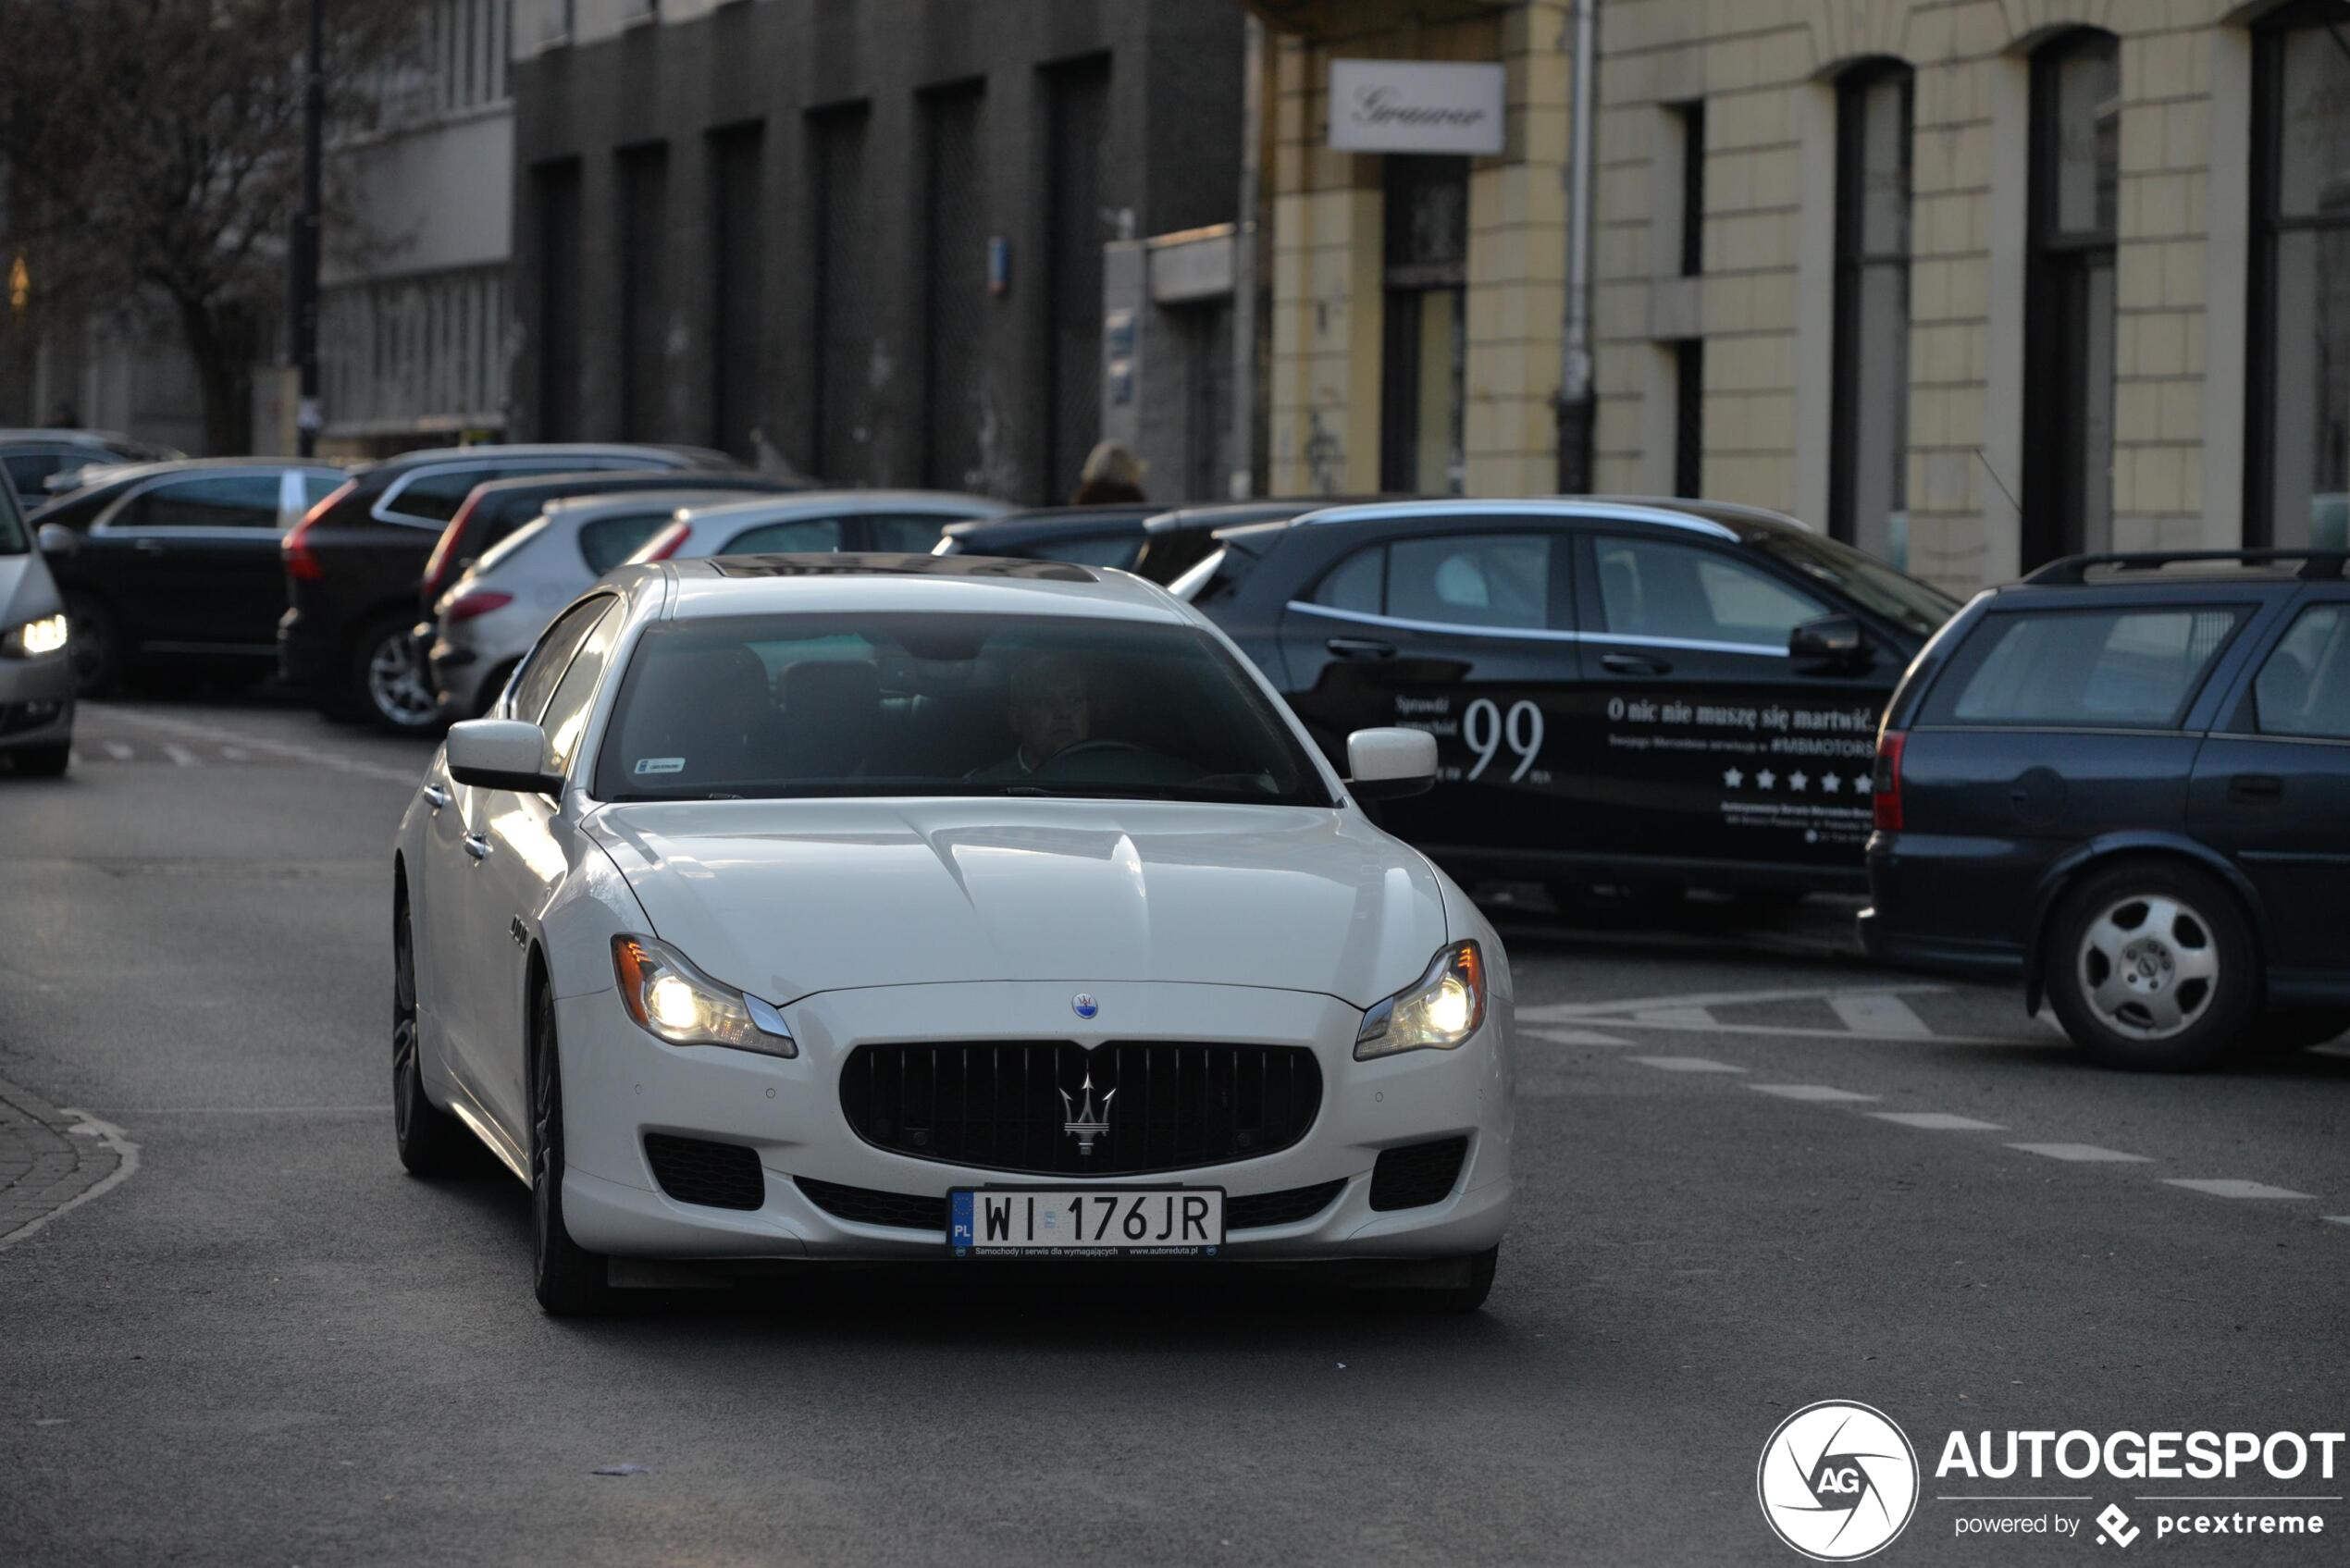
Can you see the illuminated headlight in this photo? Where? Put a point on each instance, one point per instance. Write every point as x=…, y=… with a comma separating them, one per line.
x=1436, y=1012
x=34, y=637
x=672, y=1000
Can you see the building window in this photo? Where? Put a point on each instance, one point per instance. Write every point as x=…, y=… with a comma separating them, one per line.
x=2069, y=303
x=1423, y=400
x=643, y=226
x=737, y=268
x=2298, y=466
x=556, y=202
x=1867, y=493
x=1077, y=220
x=1688, y=417
x=1692, y=116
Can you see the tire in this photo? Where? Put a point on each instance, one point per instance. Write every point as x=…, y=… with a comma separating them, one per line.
x=93, y=641
x=2301, y=1029
x=383, y=682
x=42, y=761
x=570, y=1280
x=2151, y=967
x=431, y=1142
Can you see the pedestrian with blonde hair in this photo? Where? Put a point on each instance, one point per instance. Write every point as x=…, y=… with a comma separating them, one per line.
x=1112, y=474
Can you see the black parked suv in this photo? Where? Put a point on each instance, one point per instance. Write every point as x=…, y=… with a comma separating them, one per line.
x=354, y=563
x=2126, y=781
x=1648, y=694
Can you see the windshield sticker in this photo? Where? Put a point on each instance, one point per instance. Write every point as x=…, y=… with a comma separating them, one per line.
x=660, y=765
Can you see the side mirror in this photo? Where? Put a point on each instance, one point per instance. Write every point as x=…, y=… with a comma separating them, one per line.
x=59, y=539
x=1833, y=639
x=502, y=754
x=1391, y=763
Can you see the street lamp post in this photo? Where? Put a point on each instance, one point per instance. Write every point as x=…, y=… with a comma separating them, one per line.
x=305, y=256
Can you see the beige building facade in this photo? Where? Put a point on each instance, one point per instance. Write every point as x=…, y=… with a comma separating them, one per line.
x=1416, y=299
x=1980, y=282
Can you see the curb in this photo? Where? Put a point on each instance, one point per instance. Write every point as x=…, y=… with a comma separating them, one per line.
x=52, y=1160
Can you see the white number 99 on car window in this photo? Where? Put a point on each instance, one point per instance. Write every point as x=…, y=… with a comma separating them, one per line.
x=1490, y=733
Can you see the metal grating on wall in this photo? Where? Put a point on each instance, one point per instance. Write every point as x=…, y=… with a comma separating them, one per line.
x=419, y=354
x=957, y=390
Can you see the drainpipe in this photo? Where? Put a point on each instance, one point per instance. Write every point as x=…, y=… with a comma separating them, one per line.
x=1247, y=239
x=1577, y=408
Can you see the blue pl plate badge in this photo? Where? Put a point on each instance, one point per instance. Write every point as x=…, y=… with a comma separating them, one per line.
x=960, y=1232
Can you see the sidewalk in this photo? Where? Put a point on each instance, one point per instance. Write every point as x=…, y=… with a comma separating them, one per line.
x=51, y=1160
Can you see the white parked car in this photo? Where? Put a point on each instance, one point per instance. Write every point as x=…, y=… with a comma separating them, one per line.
x=486, y=619
x=893, y=521
x=905, y=907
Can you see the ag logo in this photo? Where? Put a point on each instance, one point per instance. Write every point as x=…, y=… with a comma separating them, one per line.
x=1837, y=1481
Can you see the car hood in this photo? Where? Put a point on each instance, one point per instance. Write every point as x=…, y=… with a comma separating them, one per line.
x=784, y=898
x=26, y=591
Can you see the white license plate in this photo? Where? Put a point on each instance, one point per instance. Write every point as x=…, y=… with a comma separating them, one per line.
x=1085, y=1222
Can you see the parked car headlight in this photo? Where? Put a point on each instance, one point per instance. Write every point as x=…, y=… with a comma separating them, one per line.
x=1436, y=1012
x=34, y=637
x=672, y=1000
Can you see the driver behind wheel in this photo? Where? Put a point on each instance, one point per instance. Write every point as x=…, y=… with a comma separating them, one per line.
x=1049, y=706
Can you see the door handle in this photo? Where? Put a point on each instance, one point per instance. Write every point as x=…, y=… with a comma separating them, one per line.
x=1635, y=664
x=476, y=846
x=1360, y=648
x=436, y=796
x=2258, y=786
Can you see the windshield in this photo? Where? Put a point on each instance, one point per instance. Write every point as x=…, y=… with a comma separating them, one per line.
x=12, y=530
x=775, y=706
x=1869, y=582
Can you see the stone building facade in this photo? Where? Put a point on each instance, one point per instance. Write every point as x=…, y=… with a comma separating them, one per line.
x=1980, y=282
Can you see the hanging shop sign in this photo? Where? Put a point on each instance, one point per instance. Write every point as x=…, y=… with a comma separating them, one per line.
x=1413, y=106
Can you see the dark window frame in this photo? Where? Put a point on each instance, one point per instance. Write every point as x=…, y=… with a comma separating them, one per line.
x=2059, y=262
x=1409, y=277
x=1689, y=418
x=2270, y=226
x=1691, y=117
x=1854, y=264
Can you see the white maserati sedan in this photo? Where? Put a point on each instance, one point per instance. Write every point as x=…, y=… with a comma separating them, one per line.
x=885, y=906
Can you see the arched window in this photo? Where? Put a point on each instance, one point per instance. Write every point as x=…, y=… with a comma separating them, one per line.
x=2297, y=459
x=2069, y=301
x=1868, y=498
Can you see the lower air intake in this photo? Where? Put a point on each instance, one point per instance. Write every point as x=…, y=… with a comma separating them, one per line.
x=716, y=1176
x=1417, y=1174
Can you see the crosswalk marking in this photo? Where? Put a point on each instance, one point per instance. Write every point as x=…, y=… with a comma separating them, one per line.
x=1938, y=1122
x=181, y=756
x=1807, y=1092
x=117, y=750
x=2084, y=1152
x=2232, y=1187
x=1686, y=1064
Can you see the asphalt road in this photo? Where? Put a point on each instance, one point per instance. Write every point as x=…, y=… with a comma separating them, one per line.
x=269, y=1346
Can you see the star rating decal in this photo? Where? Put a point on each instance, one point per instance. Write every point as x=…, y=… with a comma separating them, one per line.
x=1832, y=783
x=1732, y=778
x=1799, y=783
x=1766, y=778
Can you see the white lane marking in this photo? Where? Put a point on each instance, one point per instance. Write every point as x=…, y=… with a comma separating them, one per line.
x=126, y=1167
x=2338, y=1220
x=1574, y=1037
x=1794, y=1032
x=1807, y=1092
x=1938, y=1122
x=181, y=756
x=1676, y=1017
x=1568, y=1012
x=73, y=757
x=2087, y=1153
x=1686, y=1064
x=298, y=753
x=248, y=1110
x=235, y=754
x=1879, y=1014
x=117, y=750
x=2232, y=1187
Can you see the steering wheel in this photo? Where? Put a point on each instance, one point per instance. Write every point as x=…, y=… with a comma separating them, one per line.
x=1084, y=746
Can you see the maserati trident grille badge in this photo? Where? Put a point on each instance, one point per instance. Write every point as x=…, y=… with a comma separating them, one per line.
x=1086, y=1121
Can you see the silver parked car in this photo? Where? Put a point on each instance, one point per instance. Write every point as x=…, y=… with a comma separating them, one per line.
x=884, y=522
x=486, y=621
x=36, y=678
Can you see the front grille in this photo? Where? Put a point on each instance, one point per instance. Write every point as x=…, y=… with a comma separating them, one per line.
x=862, y=1205
x=1261, y=1209
x=1000, y=1105
x=717, y=1176
x=1416, y=1174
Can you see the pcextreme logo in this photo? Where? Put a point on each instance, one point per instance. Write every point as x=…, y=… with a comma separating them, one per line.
x=1837, y=1481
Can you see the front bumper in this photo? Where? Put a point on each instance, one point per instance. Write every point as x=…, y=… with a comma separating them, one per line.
x=36, y=701
x=620, y=1083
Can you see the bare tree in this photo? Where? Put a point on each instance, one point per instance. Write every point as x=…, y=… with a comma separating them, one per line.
x=152, y=150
